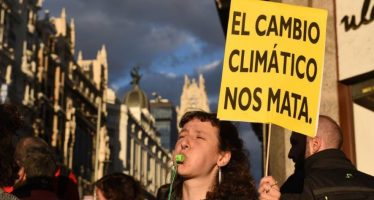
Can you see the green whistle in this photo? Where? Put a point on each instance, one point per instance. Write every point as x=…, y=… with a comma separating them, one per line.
x=179, y=158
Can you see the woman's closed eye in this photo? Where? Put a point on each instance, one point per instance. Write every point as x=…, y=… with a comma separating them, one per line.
x=200, y=137
x=180, y=136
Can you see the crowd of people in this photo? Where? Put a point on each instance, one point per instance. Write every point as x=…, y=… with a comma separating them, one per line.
x=215, y=166
x=28, y=167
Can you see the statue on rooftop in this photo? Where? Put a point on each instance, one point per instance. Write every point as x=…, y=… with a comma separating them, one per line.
x=135, y=75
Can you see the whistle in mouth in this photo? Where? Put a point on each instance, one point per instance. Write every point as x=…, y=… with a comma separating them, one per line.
x=179, y=158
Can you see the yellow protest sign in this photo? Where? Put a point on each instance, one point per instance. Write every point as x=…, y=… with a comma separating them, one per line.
x=273, y=65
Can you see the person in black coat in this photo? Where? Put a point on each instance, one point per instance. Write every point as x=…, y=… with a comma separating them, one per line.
x=329, y=174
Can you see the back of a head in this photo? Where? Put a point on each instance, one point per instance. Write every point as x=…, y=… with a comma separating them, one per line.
x=27, y=142
x=330, y=132
x=119, y=186
x=35, y=155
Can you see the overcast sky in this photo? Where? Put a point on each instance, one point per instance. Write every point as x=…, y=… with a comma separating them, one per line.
x=166, y=38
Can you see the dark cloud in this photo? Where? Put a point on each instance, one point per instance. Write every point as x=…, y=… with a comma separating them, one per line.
x=170, y=85
x=138, y=32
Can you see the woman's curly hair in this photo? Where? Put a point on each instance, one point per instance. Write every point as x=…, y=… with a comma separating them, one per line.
x=10, y=121
x=237, y=182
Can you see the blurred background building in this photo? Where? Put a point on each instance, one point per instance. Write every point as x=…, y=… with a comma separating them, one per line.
x=194, y=97
x=165, y=116
x=348, y=81
x=66, y=101
x=62, y=98
x=135, y=139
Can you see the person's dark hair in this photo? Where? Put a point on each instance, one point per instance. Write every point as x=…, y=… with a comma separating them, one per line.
x=200, y=115
x=38, y=162
x=10, y=121
x=236, y=178
x=118, y=186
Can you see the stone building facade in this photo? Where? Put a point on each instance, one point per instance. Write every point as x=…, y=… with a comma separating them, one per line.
x=62, y=97
x=135, y=141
